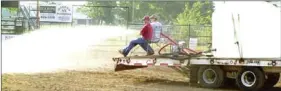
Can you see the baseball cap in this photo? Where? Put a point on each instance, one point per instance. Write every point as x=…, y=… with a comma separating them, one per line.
x=146, y=18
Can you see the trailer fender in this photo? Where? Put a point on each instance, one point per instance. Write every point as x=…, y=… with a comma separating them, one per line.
x=271, y=80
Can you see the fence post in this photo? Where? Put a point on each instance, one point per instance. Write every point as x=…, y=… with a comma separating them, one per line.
x=189, y=29
x=127, y=23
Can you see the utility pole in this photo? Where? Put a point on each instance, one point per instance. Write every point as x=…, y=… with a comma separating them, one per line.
x=37, y=15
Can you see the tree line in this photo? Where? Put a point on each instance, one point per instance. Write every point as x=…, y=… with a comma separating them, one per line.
x=192, y=13
x=170, y=12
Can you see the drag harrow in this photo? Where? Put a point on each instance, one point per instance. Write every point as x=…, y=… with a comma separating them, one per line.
x=128, y=63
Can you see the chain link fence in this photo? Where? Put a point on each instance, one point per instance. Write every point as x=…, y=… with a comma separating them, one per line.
x=202, y=33
x=120, y=16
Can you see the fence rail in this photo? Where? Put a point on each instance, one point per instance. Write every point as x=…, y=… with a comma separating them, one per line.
x=202, y=33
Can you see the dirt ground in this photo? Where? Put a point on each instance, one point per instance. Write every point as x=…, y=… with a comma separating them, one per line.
x=152, y=79
x=100, y=77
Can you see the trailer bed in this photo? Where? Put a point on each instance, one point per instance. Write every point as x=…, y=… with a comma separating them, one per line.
x=169, y=60
x=196, y=67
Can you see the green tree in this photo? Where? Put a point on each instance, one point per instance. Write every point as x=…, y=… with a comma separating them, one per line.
x=99, y=13
x=197, y=15
x=167, y=11
x=172, y=12
x=194, y=14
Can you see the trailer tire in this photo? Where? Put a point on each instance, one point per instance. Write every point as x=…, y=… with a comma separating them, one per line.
x=217, y=79
x=272, y=79
x=256, y=76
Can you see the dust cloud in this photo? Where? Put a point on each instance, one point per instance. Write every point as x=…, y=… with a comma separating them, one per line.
x=49, y=50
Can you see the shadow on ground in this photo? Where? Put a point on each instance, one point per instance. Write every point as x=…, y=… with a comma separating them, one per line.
x=166, y=83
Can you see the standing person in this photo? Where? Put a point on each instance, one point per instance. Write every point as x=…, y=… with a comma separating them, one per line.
x=157, y=29
x=146, y=34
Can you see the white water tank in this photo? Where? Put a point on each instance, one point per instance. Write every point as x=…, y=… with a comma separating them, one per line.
x=258, y=31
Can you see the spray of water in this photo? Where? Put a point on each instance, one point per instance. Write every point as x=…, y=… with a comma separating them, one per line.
x=48, y=50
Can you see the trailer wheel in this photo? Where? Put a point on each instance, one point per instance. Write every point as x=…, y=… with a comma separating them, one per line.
x=250, y=79
x=211, y=76
x=272, y=79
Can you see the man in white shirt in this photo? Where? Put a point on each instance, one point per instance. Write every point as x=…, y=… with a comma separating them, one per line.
x=157, y=29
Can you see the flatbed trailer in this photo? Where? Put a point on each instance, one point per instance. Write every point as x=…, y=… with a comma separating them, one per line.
x=227, y=35
x=250, y=74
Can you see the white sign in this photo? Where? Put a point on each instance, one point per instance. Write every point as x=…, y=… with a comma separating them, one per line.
x=64, y=13
x=48, y=13
x=56, y=13
x=193, y=43
x=8, y=36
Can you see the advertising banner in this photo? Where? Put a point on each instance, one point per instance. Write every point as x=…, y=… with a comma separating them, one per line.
x=56, y=13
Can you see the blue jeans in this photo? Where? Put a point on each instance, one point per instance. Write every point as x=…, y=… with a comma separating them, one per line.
x=143, y=43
